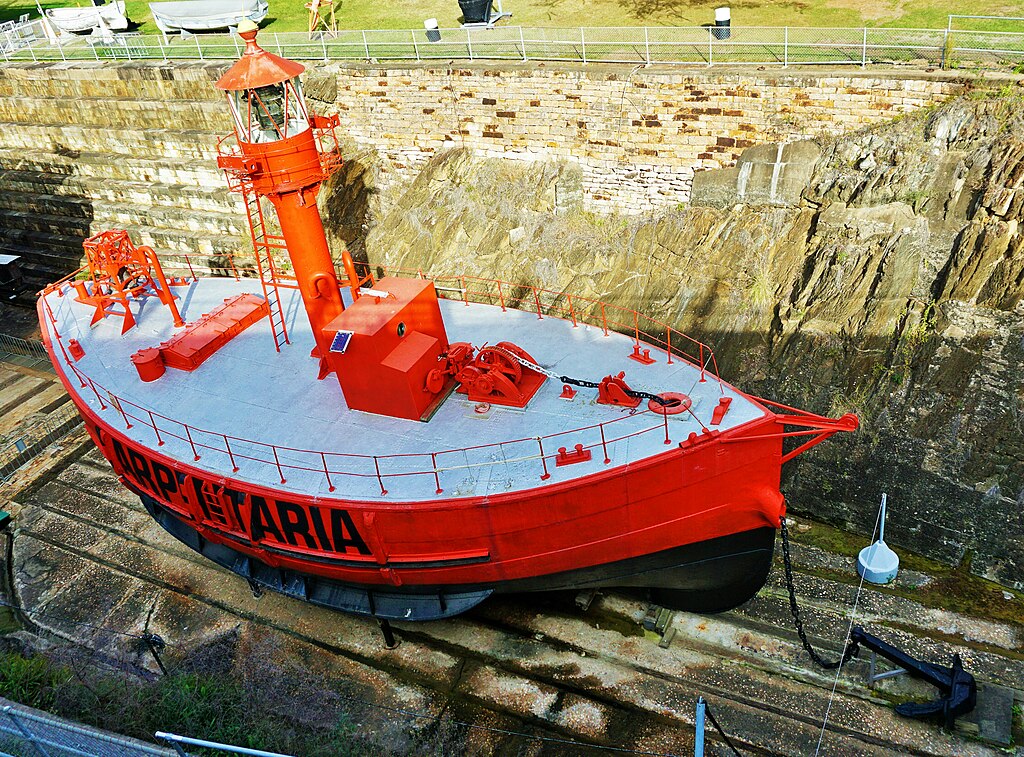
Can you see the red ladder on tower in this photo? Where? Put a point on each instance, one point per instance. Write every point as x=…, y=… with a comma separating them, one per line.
x=265, y=246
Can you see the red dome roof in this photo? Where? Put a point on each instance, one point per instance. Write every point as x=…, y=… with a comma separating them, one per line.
x=257, y=67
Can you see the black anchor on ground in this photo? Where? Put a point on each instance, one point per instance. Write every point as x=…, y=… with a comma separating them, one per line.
x=957, y=686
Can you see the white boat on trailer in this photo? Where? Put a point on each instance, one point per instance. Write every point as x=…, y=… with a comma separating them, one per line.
x=85, y=19
x=203, y=15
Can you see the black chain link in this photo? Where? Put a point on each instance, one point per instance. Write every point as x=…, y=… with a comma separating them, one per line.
x=636, y=394
x=851, y=649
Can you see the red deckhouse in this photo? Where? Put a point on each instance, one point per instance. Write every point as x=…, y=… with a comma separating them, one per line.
x=372, y=446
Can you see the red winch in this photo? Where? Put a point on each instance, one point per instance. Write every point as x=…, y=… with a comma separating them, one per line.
x=493, y=374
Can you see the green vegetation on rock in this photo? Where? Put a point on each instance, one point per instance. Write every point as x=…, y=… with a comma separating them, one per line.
x=230, y=706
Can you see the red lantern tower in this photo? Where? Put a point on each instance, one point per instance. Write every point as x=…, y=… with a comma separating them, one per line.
x=279, y=158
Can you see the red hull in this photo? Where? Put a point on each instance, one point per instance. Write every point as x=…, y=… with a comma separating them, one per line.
x=707, y=489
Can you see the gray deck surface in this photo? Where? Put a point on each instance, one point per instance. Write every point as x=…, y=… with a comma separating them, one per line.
x=248, y=391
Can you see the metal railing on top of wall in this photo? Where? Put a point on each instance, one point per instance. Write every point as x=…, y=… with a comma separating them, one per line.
x=702, y=46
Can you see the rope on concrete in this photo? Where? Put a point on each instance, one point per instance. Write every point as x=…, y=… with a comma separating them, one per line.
x=849, y=630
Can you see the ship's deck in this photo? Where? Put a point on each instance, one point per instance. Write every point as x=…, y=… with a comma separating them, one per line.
x=268, y=403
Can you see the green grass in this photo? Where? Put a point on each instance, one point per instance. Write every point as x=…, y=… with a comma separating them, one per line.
x=222, y=706
x=291, y=15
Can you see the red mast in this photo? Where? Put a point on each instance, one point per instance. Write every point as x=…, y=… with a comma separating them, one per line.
x=280, y=157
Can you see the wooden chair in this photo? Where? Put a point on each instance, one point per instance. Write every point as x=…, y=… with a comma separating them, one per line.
x=322, y=18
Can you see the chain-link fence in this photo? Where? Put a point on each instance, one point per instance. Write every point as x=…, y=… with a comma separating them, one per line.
x=31, y=354
x=32, y=733
x=32, y=439
x=705, y=46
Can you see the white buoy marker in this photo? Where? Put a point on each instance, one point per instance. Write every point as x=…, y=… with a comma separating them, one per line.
x=877, y=563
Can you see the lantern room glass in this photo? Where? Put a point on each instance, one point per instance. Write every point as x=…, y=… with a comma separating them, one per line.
x=270, y=113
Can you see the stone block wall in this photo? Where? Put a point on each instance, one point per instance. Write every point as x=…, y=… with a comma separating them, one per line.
x=101, y=135
x=638, y=134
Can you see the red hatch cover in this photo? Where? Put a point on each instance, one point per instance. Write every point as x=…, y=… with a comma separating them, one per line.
x=202, y=338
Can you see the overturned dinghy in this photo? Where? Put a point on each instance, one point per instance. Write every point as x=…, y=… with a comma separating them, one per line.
x=78, y=20
x=204, y=16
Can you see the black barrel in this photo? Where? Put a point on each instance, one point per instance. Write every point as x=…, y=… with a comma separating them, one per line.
x=433, y=33
x=722, y=21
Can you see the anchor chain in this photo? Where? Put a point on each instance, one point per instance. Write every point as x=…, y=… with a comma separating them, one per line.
x=851, y=647
x=636, y=394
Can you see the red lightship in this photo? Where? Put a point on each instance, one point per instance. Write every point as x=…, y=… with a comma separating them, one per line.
x=406, y=446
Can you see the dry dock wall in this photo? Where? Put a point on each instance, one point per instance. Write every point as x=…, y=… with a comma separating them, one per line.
x=88, y=146
x=638, y=134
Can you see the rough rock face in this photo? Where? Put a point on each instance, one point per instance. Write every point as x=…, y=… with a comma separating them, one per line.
x=882, y=273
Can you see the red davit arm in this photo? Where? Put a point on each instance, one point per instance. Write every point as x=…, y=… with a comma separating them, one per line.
x=817, y=427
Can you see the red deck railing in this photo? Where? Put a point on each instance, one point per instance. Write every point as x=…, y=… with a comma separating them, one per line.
x=385, y=469
x=568, y=307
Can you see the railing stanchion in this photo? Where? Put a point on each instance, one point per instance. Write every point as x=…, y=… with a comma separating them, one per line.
x=231, y=455
x=864, y=50
x=647, y=47
x=192, y=444
x=437, y=478
x=604, y=320
x=668, y=342
x=604, y=445
x=636, y=328
x=664, y=414
x=277, y=462
x=415, y=47
x=501, y=297
x=199, y=47
x=543, y=462
x=536, y=300
x=152, y=422
x=380, y=481
x=522, y=42
x=79, y=375
x=99, y=399
x=465, y=292
x=327, y=473
x=117, y=403
x=469, y=43
x=572, y=312
x=700, y=357
x=583, y=44
x=366, y=47
x=711, y=42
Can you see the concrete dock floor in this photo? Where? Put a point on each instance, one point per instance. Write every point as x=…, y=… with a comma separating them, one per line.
x=85, y=562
